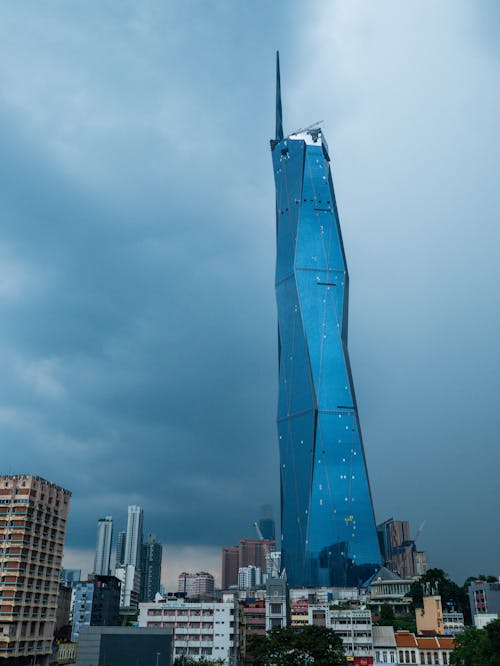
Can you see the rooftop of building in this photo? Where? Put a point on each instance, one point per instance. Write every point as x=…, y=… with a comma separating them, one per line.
x=406, y=639
x=32, y=477
x=383, y=636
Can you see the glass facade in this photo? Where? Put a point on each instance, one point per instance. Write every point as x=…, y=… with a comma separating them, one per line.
x=328, y=526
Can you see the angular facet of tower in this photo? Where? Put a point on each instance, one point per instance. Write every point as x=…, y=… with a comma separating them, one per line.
x=327, y=520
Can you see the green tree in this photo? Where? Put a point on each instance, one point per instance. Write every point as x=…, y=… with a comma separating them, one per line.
x=493, y=640
x=287, y=647
x=478, y=647
x=388, y=619
x=386, y=615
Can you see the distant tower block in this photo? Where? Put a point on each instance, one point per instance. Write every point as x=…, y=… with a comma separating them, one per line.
x=266, y=522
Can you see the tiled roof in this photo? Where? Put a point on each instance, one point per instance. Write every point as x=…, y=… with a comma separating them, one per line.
x=405, y=639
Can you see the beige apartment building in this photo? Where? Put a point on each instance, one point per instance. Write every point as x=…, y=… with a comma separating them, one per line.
x=33, y=514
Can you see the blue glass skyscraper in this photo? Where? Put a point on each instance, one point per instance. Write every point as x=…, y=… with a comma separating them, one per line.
x=327, y=520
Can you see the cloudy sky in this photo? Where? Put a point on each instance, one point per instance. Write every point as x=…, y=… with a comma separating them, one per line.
x=137, y=247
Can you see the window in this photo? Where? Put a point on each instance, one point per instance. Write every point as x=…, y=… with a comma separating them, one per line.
x=407, y=656
x=276, y=609
x=436, y=658
x=445, y=657
x=413, y=658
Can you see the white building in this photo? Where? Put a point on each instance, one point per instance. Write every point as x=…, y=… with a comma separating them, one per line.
x=384, y=646
x=210, y=630
x=353, y=626
x=249, y=577
x=130, y=579
x=133, y=537
x=102, y=559
x=453, y=623
x=482, y=619
x=321, y=595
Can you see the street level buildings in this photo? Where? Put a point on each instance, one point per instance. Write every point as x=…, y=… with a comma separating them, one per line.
x=201, y=629
x=33, y=514
x=124, y=646
x=353, y=626
x=327, y=520
x=102, y=559
x=96, y=604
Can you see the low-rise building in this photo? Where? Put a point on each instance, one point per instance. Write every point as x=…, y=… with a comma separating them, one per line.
x=319, y=595
x=277, y=603
x=481, y=620
x=484, y=597
x=384, y=646
x=97, y=603
x=299, y=613
x=414, y=649
x=126, y=646
x=353, y=626
x=387, y=588
x=453, y=623
x=253, y=621
x=200, y=629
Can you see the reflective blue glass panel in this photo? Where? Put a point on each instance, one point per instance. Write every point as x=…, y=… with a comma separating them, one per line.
x=328, y=527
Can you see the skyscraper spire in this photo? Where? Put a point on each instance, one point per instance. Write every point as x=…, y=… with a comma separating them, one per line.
x=279, y=113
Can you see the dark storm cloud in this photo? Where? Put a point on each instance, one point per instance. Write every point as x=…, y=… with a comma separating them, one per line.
x=138, y=343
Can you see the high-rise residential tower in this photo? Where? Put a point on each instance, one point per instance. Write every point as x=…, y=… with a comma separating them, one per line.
x=120, y=547
x=102, y=559
x=327, y=519
x=152, y=552
x=133, y=538
x=33, y=514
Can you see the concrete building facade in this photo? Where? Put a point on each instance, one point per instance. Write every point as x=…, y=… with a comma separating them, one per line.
x=196, y=584
x=97, y=603
x=130, y=580
x=200, y=629
x=353, y=626
x=33, y=514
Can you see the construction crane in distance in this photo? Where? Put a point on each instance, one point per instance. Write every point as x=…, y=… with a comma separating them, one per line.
x=273, y=558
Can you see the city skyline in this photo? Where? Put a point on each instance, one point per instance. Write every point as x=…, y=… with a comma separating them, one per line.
x=132, y=379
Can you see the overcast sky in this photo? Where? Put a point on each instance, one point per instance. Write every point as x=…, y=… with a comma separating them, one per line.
x=138, y=343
